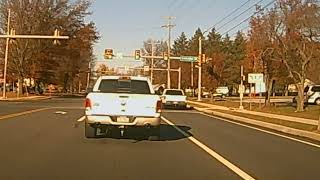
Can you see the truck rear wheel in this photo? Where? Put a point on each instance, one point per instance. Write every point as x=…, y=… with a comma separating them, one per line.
x=154, y=133
x=114, y=132
x=90, y=132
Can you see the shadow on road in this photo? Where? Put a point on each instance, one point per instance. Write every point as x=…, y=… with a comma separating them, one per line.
x=177, y=108
x=167, y=133
x=66, y=96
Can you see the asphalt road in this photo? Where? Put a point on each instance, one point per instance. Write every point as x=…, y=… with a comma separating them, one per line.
x=46, y=145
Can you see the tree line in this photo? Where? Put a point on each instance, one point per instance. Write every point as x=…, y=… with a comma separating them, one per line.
x=282, y=43
x=62, y=64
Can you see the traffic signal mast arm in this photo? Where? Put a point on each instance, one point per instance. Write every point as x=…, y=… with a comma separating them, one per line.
x=33, y=37
x=14, y=36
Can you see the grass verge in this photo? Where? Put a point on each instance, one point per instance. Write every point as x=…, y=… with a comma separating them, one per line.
x=295, y=125
x=312, y=111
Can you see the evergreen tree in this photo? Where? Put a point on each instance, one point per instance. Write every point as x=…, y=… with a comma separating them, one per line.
x=194, y=43
x=234, y=52
x=180, y=45
x=213, y=43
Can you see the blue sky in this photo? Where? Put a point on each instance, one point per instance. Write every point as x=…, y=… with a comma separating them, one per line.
x=125, y=24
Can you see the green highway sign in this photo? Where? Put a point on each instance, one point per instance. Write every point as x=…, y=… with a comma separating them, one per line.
x=189, y=58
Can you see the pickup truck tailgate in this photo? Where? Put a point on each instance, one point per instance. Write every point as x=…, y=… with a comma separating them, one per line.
x=175, y=98
x=112, y=104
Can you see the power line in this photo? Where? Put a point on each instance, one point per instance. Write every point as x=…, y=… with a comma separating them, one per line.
x=230, y=14
x=236, y=17
x=247, y=19
x=178, y=5
x=191, y=7
x=190, y=12
x=172, y=3
x=241, y=30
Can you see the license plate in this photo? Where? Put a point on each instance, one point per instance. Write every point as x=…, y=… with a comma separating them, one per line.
x=122, y=119
x=175, y=102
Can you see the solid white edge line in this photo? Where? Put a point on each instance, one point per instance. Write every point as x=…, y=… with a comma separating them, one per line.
x=262, y=130
x=81, y=119
x=212, y=153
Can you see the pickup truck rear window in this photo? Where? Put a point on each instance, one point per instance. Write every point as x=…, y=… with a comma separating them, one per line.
x=316, y=89
x=173, y=92
x=124, y=86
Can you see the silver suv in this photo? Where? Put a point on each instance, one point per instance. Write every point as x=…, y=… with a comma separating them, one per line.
x=221, y=91
x=313, y=94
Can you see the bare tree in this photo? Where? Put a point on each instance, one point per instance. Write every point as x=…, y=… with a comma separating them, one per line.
x=41, y=59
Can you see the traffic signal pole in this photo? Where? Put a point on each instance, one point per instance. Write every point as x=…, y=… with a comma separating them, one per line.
x=200, y=68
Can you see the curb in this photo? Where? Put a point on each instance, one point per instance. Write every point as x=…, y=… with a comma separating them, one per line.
x=280, y=128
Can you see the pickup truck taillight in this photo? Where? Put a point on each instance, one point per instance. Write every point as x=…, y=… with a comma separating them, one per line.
x=159, y=106
x=88, y=103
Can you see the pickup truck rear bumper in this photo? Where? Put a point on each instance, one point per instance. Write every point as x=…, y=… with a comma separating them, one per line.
x=175, y=103
x=137, y=121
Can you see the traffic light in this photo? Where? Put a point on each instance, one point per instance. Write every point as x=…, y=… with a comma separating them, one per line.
x=56, y=34
x=108, y=53
x=12, y=33
x=137, y=54
x=165, y=56
x=203, y=58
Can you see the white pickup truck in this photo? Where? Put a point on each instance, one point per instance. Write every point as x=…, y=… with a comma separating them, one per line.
x=119, y=102
x=174, y=98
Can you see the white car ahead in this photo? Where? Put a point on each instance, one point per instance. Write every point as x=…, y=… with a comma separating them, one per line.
x=174, y=98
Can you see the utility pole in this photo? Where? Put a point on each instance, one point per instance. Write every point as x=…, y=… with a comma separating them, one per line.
x=152, y=61
x=200, y=69
x=6, y=57
x=169, y=26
